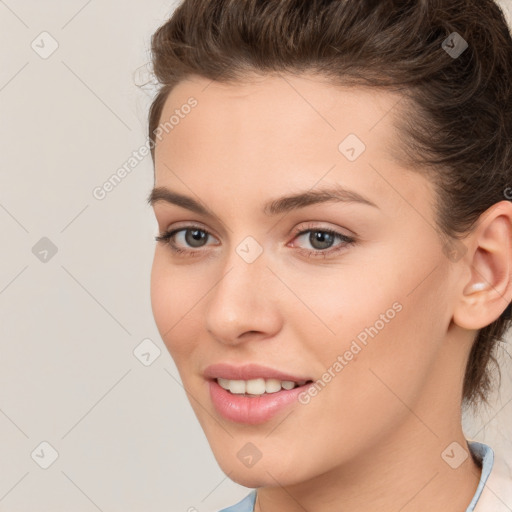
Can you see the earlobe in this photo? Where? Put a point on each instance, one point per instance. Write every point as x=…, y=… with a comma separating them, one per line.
x=488, y=292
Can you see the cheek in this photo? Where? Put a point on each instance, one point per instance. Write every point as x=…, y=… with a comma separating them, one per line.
x=389, y=361
x=161, y=294
x=172, y=301
x=379, y=329
x=337, y=306
x=400, y=334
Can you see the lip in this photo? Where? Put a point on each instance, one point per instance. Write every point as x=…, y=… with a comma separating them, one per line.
x=252, y=410
x=249, y=371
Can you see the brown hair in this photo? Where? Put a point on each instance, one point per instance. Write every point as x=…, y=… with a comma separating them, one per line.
x=458, y=121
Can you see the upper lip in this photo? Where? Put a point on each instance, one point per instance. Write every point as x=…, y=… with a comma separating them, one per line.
x=248, y=371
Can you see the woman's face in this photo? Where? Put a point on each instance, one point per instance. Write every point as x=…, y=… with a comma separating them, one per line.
x=363, y=313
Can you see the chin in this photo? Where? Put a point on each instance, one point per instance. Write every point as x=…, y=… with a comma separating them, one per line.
x=248, y=478
x=266, y=472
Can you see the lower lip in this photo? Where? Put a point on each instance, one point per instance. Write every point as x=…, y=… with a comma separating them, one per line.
x=252, y=410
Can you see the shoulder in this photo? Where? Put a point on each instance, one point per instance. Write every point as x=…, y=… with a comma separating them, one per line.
x=246, y=505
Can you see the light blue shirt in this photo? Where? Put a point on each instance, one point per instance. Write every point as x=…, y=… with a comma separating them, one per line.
x=483, y=452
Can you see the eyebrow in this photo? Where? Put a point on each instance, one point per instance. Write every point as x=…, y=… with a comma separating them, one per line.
x=331, y=194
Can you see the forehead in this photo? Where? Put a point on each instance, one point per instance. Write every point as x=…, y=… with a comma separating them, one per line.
x=281, y=108
x=273, y=132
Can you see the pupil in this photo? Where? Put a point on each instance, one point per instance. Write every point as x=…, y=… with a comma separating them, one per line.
x=324, y=238
x=197, y=236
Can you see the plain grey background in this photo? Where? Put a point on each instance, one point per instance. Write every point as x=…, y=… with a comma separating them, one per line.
x=74, y=279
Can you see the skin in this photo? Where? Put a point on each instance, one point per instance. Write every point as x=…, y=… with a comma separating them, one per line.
x=372, y=438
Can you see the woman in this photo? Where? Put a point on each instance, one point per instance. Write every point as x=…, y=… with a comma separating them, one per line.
x=333, y=266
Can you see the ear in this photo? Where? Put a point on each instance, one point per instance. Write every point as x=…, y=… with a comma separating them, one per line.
x=488, y=291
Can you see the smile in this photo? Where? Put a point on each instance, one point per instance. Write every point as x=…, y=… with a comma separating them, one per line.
x=257, y=387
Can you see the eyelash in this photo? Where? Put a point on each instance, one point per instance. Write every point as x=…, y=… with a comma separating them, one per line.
x=167, y=237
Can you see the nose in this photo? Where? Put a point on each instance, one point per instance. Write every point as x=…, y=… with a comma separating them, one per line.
x=242, y=304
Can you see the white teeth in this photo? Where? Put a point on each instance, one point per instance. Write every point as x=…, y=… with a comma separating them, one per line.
x=223, y=383
x=257, y=386
x=272, y=386
x=237, y=386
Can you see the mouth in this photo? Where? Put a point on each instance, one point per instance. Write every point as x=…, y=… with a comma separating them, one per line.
x=255, y=400
x=259, y=386
x=252, y=393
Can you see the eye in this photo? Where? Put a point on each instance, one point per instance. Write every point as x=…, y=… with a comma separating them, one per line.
x=322, y=240
x=195, y=237
x=192, y=236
